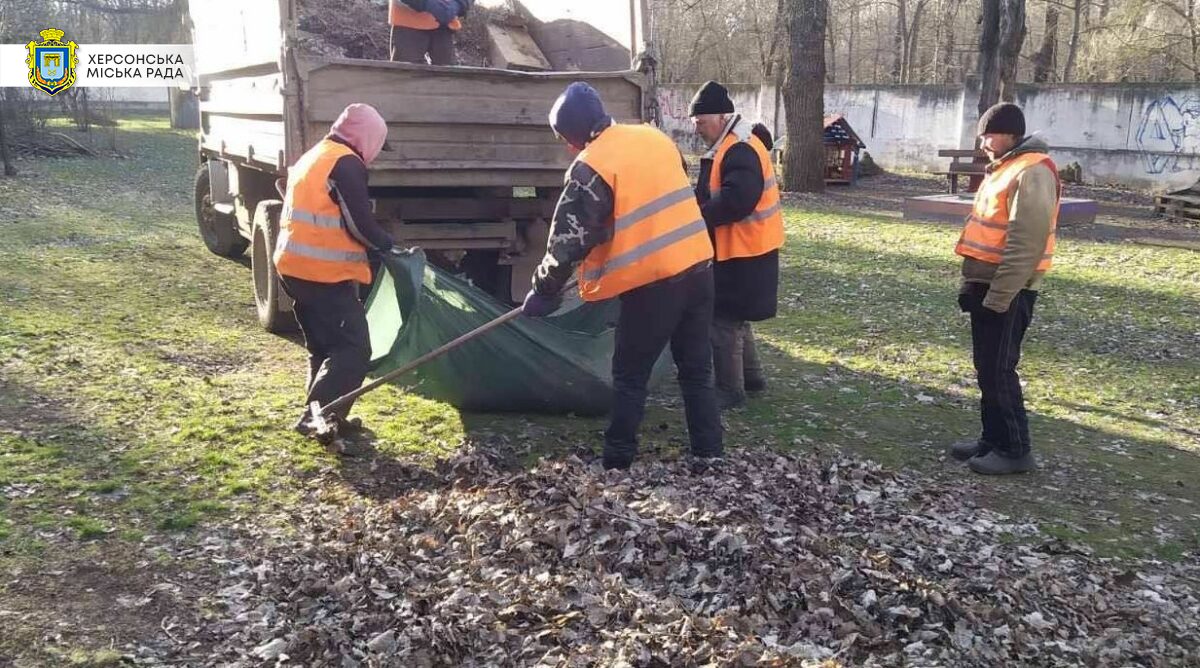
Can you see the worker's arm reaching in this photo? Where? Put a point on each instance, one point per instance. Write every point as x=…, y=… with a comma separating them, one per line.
x=583, y=220
x=348, y=187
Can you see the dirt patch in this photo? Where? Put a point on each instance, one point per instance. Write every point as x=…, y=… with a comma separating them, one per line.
x=110, y=596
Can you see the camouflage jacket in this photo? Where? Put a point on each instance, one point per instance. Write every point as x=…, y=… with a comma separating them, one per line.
x=582, y=221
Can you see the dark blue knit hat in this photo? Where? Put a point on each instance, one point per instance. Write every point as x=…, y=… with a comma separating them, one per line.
x=578, y=114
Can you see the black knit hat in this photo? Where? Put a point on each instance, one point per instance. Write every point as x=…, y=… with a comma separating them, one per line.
x=1005, y=118
x=712, y=98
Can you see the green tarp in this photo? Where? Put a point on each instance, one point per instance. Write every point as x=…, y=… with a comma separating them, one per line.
x=559, y=364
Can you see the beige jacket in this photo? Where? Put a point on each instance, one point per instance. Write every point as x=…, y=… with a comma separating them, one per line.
x=1033, y=200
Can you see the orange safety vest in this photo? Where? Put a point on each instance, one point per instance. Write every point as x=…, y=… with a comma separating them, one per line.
x=400, y=14
x=658, y=231
x=313, y=242
x=762, y=231
x=986, y=232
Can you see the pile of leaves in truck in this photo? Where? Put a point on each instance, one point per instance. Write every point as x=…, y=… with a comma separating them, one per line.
x=560, y=364
x=767, y=559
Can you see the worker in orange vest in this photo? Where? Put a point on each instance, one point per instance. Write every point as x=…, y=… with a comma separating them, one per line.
x=1007, y=245
x=325, y=232
x=739, y=197
x=628, y=219
x=421, y=27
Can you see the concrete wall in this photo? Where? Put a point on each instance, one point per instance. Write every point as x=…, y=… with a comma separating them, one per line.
x=1138, y=135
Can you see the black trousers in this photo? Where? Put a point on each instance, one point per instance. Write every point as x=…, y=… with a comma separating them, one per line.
x=678, y=311
x=334, y=324
x=409, y=45
x=996, y=348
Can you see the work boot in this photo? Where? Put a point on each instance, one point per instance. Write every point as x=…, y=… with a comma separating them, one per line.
x=349, y=426
x=727, y=400
x=993, y=463
x=755, y=385
x=705, y=463
x=964, y=450
x=304, y=426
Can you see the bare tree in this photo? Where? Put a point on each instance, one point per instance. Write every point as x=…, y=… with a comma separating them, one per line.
x=804, y=96
x=1080, y=6
x=1002, y=30
x=1044, y=60
x=9, y=169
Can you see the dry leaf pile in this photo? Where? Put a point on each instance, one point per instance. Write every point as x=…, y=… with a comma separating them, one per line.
x=763, y=560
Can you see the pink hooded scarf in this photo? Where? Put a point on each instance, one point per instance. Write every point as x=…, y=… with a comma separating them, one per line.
x=363, y=128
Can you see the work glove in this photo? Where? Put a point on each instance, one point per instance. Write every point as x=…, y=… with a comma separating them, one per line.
x=418, y=5
x=539, y=306
x=402, y=252
x=443, y=10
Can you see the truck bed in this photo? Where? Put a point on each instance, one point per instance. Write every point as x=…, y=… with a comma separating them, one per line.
x=263, y=104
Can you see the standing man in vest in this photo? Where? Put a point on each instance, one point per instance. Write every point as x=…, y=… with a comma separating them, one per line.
x=321, y=255
x=422, y=27
x=739, y=198
x=627, y=213
x=1006, y=246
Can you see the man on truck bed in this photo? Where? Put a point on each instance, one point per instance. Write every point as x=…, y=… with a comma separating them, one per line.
x=627, y=212
x=422, y=27
x=321, y=255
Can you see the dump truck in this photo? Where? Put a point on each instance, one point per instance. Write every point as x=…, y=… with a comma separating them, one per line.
x=471, y=172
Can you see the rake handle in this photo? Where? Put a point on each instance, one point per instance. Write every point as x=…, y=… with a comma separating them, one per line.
x=435, y=353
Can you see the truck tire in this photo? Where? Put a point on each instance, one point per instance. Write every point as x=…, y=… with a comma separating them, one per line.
x=273, y=305
x=219, y=231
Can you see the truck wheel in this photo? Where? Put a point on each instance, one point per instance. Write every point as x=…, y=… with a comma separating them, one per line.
x=219, y=231
x=272, y=303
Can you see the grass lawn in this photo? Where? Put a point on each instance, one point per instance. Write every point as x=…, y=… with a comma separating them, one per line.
x=139, y=399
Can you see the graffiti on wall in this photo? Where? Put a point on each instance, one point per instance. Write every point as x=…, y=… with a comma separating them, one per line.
x=1169, y=134
x=673, y=104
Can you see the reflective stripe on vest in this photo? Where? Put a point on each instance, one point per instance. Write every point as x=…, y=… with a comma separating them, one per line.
x=762, y=231
x=400, y=14
x=658, y=231
x=985, y=234
x=313, y=243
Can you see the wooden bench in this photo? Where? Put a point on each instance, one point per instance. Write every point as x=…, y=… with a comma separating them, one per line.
x=966, y=162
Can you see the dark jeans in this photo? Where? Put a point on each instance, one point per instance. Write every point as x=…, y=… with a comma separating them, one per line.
x=677, y=310
x=996, y=347
x=335, y=335
x=409, y=45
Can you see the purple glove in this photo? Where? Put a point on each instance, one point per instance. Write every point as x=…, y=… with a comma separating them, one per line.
x=444, y=11
x=540, y=306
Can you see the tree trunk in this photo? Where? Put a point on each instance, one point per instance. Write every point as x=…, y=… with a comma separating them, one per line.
x=947, y=62
x=804, y=97
x=1073, y=45
x=9, y=170
x=899, y=44
x=989, y=41
x=1001, y=32
x=911, y=61
x=830, y=29
x=1012, y=35
x=1195, y=30
x=185, y=109
x=852, y=33
x=1043, y=60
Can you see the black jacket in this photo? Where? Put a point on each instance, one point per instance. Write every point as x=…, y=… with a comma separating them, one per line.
x=746, y=288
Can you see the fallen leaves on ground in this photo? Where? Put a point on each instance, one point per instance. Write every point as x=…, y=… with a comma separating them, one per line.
x=762, y=559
